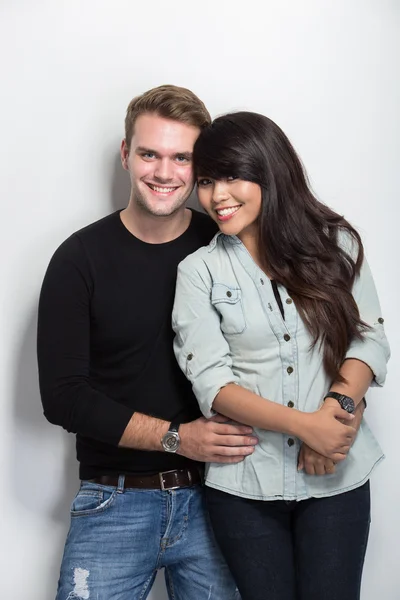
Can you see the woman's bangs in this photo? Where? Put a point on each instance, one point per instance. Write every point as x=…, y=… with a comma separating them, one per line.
x=216, y=161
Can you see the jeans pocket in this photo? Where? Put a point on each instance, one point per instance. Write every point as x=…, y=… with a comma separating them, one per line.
x=92, y=501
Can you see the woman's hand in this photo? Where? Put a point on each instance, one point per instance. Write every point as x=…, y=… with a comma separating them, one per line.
x=314, y=463
x=322, y=431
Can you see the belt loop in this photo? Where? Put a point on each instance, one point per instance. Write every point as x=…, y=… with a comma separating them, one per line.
x=121, y=483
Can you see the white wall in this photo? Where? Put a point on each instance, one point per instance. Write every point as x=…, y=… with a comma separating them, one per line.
x=326, y=70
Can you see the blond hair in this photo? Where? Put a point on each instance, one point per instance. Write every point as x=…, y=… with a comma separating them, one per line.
x=170, y=102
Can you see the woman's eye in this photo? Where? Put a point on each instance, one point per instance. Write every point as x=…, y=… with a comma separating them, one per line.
x=203, y=182
x=231, y=178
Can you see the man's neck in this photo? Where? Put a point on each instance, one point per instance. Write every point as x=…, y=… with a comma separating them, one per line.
x=152, y=229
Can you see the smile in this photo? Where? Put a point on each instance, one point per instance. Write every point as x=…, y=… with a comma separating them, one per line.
x=161, y=189
x=224, y=214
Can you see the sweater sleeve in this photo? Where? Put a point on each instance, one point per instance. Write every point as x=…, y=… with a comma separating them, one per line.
x=68, y=395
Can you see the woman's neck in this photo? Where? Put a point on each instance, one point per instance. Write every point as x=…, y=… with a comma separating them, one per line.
x=249, y=239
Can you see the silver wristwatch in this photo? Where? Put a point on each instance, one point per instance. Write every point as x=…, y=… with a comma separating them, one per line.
x=171, y=441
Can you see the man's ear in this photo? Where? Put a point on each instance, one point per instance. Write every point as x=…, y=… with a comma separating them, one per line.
x=124, y=155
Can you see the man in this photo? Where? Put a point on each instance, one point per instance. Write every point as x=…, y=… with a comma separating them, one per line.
x=107, y=373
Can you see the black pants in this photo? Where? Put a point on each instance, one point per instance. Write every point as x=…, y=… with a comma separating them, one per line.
x=308, y=550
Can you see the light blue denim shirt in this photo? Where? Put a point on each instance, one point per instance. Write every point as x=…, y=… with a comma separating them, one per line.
x=229, y=329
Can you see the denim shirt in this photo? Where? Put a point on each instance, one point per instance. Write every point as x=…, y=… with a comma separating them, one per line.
x=229, y=329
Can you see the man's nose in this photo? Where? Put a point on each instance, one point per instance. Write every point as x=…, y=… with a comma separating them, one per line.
x=164, y=170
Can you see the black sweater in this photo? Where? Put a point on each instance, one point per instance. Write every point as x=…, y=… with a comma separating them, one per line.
x=105, y=341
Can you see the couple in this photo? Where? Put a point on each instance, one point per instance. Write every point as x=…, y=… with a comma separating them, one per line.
x=277, y=329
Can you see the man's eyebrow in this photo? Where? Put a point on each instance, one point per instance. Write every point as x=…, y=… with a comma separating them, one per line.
x=187, y=155
x=143, y=150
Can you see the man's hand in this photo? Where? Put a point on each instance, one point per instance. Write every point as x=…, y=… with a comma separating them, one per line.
x=215, y=440
x=316, y=464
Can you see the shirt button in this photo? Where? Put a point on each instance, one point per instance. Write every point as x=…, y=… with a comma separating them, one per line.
x=289, y=370
x=290, y=442
x=229, y=294
x=289, y=301
x=380, y=320
x=262, y=281
x=286, y=337
x=290, y=404
x=190, y=356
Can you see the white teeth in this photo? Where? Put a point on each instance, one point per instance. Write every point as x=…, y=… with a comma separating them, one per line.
x=227, y=211
x=162, y=190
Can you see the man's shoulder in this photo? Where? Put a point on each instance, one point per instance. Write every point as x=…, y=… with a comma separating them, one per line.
x=92, y=232
x=80, y=242
x=100, y=227
x=203, y=225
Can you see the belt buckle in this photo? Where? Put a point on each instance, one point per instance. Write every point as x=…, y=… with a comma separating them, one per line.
x=161, y=476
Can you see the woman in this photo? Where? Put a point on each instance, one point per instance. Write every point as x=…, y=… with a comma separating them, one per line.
x=278, y=326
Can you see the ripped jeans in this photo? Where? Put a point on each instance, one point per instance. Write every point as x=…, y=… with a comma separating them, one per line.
x=119, y=538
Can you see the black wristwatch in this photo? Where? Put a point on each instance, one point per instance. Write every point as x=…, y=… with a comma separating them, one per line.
x=345, y=402
x=171, y=441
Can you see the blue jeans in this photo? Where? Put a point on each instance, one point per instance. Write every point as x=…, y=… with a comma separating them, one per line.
x=308, y=550
x=119, y=538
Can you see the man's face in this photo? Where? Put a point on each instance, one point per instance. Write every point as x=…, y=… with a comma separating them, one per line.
x=160, y=163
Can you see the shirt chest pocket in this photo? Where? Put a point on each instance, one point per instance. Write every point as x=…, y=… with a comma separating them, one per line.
x=227, y=301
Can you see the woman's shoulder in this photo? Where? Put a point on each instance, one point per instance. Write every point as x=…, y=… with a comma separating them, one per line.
x=203, y=257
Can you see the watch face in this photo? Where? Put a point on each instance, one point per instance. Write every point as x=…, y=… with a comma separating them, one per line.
x=170, y=442
x=347, y=404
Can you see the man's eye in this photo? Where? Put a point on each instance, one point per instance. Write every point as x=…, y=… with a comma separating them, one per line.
x=203, y=182
x=148, y=155
x=182, y=159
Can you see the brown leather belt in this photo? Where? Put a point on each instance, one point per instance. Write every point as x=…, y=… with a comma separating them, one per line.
x=168, y=480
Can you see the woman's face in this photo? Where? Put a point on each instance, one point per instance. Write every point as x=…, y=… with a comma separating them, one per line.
x=233, y=203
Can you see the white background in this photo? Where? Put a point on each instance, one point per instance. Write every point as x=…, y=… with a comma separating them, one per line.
x=326, y=71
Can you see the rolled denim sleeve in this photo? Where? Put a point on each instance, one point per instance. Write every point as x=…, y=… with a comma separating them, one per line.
x=200, y=347
x=373, y=349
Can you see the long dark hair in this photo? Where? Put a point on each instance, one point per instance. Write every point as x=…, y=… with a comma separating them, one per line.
x=300, y=239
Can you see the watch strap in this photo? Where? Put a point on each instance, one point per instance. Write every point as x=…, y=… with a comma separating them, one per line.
x=174, y=426
x=345, y=402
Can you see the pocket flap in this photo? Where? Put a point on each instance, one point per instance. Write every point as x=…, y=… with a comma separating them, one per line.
x=224, y=293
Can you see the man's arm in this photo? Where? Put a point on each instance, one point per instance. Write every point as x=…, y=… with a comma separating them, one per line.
x=205, y=440
x=63, y=347
x=69, y=399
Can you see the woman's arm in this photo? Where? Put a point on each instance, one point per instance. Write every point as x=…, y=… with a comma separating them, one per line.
x=358, y=376
x=358, y=379
x=364, y=365
x=320, y=430
x=204, y=356
x=373, y=349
